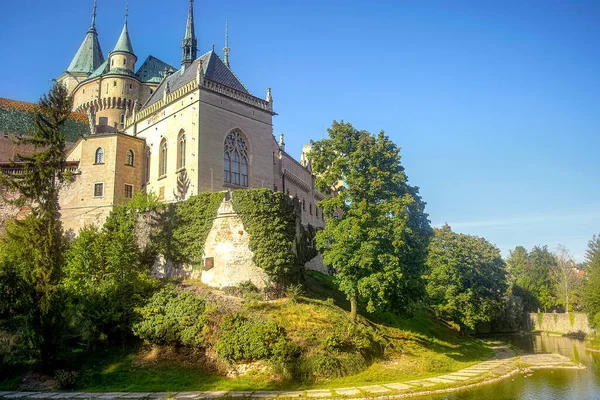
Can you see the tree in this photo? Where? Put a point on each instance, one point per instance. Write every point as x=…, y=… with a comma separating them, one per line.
x=466, y=279
x=539, y=276
x=41, y=233
x=565, y=276
x=107, y=273
x=376, y=231
x=591, y=292
x=517, y=264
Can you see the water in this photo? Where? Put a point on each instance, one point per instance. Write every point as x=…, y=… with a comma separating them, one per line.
x=543, y=384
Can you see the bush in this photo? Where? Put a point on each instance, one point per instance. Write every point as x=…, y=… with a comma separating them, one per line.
x=242, y=339
x=173, y=316
x=66, y=379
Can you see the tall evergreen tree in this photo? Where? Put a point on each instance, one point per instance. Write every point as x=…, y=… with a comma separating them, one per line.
x=376, y=231
x=591, y=289
x=35, y=247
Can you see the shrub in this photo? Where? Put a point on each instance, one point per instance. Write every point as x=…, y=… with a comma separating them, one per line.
x=66, y=379
x=173, y=316
x=294, y=292
x=243, y=339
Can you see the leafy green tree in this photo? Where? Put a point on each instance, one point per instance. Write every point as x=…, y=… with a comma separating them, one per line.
x=517, y=264
x=540, y=276
x=38, y=263
x=107, y=273
x=466, y=281
x=591, y=291
x=376, y=231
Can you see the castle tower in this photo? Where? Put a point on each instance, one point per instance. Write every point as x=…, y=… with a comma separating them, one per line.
x=189, y=46
x=86, y=60
x=122, y=57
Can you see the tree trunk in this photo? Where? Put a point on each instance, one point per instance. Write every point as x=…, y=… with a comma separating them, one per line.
x=353, y=307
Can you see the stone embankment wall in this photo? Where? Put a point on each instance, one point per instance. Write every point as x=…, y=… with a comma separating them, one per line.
x=572, y=323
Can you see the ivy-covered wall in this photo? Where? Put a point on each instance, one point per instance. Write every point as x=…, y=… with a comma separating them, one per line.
x=256, y=228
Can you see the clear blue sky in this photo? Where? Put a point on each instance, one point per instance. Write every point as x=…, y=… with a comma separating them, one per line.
x=496, y=105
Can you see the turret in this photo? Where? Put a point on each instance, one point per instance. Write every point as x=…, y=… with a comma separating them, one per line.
x=189, y=47
x=122, y=56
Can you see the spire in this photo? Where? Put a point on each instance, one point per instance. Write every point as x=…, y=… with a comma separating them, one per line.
x=190, y=43
x=226, y=49
x=89, y=56
x=124, y=42
x=94, y=17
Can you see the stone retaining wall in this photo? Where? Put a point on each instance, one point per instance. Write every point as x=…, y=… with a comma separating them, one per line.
x=575, y=323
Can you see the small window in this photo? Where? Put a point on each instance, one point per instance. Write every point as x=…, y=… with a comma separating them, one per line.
x=99, y=189
x=83, y=91
x=114, y=83
x=303, y=205
x=122, y=119
x=209, y=263
x=129, y=158
x=124, y=61
x=99, y=155
x=181, y=150
x=112, y=63
x=128, y=191
x=147, y=164
x=131, y=86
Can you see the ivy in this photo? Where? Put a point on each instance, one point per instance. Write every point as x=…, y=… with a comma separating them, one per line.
x=189, y=224
x=273, y=223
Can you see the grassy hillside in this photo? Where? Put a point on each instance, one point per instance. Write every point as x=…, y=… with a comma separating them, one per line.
x=332, y=351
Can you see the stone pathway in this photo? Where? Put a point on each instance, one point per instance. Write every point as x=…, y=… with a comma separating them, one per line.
x=503, y=363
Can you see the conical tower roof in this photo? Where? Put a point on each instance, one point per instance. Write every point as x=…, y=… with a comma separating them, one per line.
x=124, y=42
x=89, y=56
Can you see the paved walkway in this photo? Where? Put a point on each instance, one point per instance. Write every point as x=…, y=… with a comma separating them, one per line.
x=502, y=364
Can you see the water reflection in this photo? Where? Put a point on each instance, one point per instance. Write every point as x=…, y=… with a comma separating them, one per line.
x=542, y=384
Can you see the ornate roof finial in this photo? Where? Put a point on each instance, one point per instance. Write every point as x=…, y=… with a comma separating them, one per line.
x=94, y=16
x=226, y=49
x=213, y=47
x=126, y=11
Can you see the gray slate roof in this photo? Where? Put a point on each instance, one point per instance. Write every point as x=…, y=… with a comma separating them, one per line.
x=214, y=70
x=124, y=42
x=89, y=56
x=152, y=70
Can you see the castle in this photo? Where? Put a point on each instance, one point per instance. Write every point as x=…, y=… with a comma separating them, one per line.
x=172, y=132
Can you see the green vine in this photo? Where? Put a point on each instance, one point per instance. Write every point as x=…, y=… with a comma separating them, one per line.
x=572, y=318
x=273, y=223
x=540, y=318
x=188, y=227
x=555, y=319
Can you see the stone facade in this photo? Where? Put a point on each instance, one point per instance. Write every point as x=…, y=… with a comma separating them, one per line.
x=120, y=177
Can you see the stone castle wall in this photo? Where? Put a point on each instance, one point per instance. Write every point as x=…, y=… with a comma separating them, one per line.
x=559, y=322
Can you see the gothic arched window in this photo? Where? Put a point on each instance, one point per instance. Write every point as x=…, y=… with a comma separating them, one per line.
x=99, y=155
x=181, y=150
x=163, y=158
x=235, y=159
x=129, y=159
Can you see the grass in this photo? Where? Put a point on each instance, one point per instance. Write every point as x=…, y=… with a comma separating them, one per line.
x=393, y=349
x=594, y=343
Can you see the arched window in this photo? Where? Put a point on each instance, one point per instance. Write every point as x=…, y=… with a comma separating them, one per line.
x=99, y=155
x=235, y=159
x=163, y=158
x=181, y=150
x=129, y=158
x=147, y=164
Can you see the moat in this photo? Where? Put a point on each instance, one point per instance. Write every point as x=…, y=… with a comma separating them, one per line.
x=542, y=384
